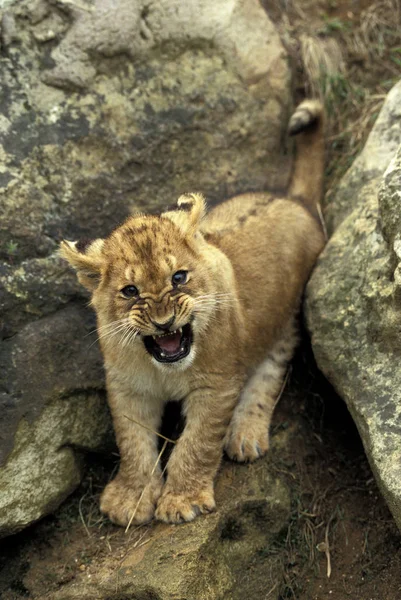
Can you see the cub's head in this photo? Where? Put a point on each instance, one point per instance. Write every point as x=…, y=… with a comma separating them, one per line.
x=149, y=284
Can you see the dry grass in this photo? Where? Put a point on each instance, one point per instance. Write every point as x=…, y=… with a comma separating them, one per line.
x=350, y=63
x=323, y=63
x=378, y=30
x=308, y=534
x=104, y=540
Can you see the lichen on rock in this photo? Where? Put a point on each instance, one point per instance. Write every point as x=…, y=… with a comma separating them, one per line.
x=109, y=107
x=353, y=299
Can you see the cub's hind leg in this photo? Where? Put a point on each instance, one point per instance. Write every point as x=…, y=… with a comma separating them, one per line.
x=247, y=437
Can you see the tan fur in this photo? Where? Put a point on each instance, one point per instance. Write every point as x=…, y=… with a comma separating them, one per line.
x=248, y=261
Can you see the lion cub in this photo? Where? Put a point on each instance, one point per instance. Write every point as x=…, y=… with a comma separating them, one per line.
x=201, y=307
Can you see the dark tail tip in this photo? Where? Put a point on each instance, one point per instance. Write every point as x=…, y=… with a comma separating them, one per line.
x=307, y=116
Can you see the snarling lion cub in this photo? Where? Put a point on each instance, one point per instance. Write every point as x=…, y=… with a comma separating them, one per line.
x=201, y=308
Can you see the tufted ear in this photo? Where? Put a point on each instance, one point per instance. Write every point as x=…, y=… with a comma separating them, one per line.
x=86, y=258
x=191, y=210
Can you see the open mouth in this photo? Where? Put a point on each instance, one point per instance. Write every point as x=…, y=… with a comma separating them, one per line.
x=170, y=347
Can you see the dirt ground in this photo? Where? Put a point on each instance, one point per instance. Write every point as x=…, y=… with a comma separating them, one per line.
x=339, y=525
x=340, y=522
x=338, y=516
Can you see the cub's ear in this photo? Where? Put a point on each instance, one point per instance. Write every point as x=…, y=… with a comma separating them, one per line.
x=192, y=209
x=86, y=258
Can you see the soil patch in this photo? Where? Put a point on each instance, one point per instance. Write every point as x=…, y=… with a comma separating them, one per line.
x=340, y=522
x=338, y=515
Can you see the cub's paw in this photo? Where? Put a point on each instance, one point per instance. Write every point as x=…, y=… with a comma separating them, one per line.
x=177, y=508
x=247, y=439
x=120, y=501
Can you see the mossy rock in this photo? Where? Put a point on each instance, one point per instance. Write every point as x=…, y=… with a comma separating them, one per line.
x=353, y=303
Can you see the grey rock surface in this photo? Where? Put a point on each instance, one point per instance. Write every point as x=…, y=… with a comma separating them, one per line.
x=354, y=304
x=107, y=107
x=227, y=555
x=52, y=410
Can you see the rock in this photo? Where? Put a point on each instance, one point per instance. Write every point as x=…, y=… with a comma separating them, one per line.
x=54, y=408
x=37, y=287
x=353, y=300
x=241, y=34
x=361, y=181
x=146, y=128
x=108, y=107
x=208, y=558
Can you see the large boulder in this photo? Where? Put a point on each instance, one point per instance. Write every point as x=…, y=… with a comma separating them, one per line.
x=53, y=409
x=105, y=107
x=354, y=302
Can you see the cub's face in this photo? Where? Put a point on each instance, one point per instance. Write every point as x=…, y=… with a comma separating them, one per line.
x=149, y=284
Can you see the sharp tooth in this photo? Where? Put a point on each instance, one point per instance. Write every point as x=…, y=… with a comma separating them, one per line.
x=180, y=330
x=154, y=337
x=162, y=354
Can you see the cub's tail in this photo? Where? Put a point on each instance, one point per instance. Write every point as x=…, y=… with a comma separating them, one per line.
x=306, y=184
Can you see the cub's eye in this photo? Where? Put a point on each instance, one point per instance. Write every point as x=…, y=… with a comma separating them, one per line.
x=129, y=291
x=179, y=277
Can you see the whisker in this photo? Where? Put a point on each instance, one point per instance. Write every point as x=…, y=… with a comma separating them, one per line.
x=111, y=327
x=216, y=295
x=109, y=334
x=98, y=329
x=125, y=336
x=202, y=311
x=113, y=332
x=215, y=302
x=129, y=338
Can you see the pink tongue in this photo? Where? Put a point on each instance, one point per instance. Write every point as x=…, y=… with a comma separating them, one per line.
x=170, y=343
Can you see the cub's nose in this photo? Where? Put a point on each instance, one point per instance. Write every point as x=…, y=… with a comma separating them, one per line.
x=164, y=326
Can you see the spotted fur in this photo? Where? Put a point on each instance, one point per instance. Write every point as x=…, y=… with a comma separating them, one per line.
x=247, y=261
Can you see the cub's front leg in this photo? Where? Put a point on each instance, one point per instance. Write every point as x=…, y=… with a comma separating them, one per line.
x=132, y=496
x=195, y=459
